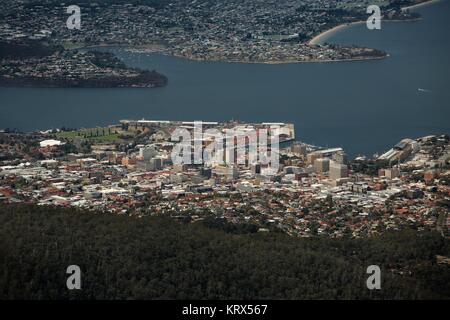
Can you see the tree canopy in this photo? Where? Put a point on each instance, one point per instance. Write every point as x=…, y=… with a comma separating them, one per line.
x=124, y=257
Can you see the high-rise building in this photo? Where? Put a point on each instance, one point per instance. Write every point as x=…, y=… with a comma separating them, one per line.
x=147, y=152
x=340, y=157
x=321, y=165
x=338, y=170
x=392, y=173
x=311, y=157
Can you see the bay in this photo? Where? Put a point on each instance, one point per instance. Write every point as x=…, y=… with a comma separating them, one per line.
x=364, y=107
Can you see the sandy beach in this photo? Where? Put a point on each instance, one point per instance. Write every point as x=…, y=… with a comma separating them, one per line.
x=316, y=39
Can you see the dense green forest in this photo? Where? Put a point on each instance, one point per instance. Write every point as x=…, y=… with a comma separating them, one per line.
x=125, y=257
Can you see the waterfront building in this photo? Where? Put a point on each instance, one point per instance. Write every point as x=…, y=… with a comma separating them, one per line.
x=340, y=157
x=311, y=157
x=338, y=170
x=321, y=165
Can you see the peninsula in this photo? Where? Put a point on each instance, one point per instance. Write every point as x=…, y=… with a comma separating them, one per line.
x=248, y=31
x=30, y=63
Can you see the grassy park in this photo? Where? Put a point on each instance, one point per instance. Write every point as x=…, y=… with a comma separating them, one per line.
x=99, y=134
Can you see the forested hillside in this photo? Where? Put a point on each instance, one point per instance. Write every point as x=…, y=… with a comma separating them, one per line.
x=123, y=257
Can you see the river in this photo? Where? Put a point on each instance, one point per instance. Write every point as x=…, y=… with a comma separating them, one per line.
x=364, y=107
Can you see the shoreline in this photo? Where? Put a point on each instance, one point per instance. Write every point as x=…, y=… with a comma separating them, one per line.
x=316, y=39
x=285, y=61
x=165, y=53
x=160, y=48
x=422, y=4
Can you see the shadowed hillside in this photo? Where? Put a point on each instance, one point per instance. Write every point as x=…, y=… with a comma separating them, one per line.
x=159, y=258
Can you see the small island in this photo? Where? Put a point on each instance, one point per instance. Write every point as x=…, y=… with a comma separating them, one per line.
x=35, y=64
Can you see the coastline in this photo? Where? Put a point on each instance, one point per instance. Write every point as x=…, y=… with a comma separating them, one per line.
x=160, y=48
x=422, y=4
x=285, y=61
x=316, y=39
x=163, y=52
x=154, y=47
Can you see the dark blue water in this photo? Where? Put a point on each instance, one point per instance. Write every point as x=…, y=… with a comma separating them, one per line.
x=364, y=107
